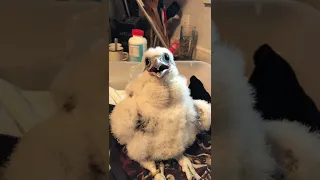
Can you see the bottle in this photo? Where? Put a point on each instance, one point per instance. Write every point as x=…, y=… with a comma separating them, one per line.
x=174, y=47
x=137, y=45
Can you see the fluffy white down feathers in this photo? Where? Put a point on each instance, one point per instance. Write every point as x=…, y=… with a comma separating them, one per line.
x=159, y=119
x=164, y=110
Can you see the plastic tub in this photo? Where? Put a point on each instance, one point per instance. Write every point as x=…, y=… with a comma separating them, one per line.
x=120, y=73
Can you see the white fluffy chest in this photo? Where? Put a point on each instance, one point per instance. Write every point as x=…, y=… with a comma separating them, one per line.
x=161, y=105
x=164, y=133
x=169, y=119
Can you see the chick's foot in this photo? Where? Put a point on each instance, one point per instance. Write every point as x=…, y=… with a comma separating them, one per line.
x=188, y=168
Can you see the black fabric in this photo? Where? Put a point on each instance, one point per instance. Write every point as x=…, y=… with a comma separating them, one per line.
x=7, y=144
x=197, y=90
x=111, y=175
x=278, y=92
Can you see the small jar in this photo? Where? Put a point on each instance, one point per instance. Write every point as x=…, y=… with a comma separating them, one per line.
x=187, y=42
x=137, y=45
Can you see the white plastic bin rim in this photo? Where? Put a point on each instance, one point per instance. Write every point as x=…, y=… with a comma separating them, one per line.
x=119, y=72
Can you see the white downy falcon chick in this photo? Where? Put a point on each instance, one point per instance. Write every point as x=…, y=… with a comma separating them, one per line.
x=158, y=120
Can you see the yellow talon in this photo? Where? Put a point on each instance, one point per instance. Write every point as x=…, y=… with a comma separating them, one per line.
x=155, y=173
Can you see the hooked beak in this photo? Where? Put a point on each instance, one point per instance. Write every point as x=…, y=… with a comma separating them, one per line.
x=158, y=68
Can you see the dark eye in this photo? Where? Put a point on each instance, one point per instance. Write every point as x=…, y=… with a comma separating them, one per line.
x=148, y=62
x=166, y=57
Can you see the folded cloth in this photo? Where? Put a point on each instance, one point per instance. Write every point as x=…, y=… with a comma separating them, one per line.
x=20, y=110
x=115, y=96
x=17, y=106
x=8, y=125
x=277, y=91
x=199, y=153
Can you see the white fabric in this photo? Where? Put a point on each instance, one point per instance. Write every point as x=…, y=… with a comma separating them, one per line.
x=115, y=96
x=7, y=124
x=21, y=110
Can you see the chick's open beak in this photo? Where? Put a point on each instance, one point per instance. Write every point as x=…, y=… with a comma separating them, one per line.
x=158, y=68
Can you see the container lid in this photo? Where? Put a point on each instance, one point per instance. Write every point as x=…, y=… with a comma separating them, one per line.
x=137, y=32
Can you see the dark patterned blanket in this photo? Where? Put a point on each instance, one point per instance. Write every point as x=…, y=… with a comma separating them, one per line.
x=199, y=154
